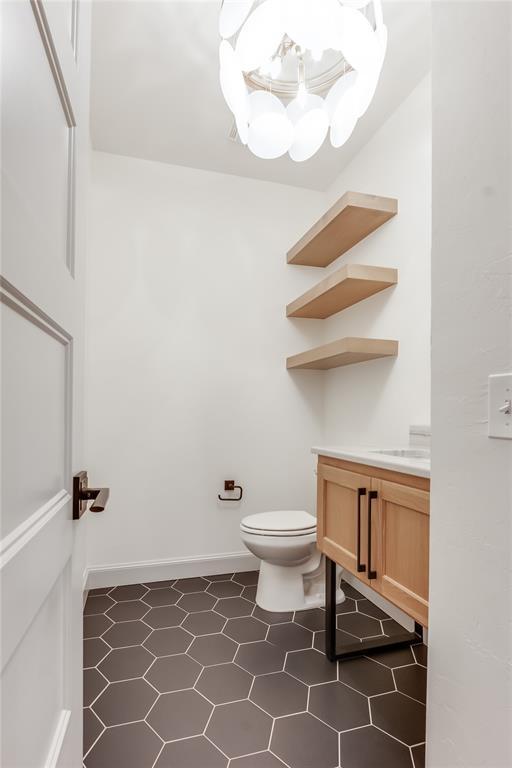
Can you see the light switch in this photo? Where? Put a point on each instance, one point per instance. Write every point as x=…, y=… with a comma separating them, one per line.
x=500, y=405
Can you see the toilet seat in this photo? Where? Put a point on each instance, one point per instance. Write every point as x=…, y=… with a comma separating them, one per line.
x=279, y=523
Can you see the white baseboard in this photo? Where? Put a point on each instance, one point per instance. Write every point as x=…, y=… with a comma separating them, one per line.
x=117, y=574
x=396, y=613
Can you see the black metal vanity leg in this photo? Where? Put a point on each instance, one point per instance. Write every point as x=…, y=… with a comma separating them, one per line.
x=330, y=609
x=360, y=647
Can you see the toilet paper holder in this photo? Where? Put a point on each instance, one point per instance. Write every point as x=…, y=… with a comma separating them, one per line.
x=229, y=485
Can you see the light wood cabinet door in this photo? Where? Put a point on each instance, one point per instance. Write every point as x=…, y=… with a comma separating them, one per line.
x=341, y=517
x=400, y=546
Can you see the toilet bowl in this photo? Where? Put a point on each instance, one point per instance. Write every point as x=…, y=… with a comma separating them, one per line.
x=292, y=569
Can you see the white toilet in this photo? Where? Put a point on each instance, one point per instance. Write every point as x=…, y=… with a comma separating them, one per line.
x=292, y=569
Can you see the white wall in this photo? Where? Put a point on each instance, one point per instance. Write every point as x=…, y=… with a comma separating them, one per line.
x=470, y=682
x=374, y=403
x=188, y=337
x=187, y=385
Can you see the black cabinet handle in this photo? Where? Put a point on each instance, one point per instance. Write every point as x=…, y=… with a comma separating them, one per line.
x=371, y=574
x=360, y=566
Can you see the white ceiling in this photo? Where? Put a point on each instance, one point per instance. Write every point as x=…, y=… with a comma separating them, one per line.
x=155, y=90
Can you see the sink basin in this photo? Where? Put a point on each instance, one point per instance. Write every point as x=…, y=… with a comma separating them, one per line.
x=405, y=453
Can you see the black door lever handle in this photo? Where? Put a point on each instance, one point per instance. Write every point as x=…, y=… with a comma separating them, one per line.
x=82, y=495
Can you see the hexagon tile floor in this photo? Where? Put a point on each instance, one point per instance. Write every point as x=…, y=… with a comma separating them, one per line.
x=192, y=674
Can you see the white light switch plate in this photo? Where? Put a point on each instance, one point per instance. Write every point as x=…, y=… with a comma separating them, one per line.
x=500, y=405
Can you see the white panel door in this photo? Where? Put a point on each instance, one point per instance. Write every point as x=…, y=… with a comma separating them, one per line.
x=44, y=154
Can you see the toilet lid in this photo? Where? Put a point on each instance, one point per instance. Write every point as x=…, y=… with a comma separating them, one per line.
x=280, y=523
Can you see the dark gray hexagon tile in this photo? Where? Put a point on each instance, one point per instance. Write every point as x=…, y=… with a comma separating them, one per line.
x=313, y=619
x=347, y=606
x=399, y=716
x=204, y=623
x=342, y=639
x=225, y=589
x=156, y=597
x=128, y=592
x=421, y=654
x=173, y=673
x=391, y=628
x=359, y=625
x=418, y=755
x=213, y=649
x=303, y=741
x=164, y=642
x=349, y=591
x=125, y=702
x=97, y=604
x=126, y=633
x=196, y=752
x=234, y=606
x=370, y=609
x=247, y=578
x=196, y=584
x=365, y=676
x=370, y=748
x=126, y=663
x=245, y=629
x=339, y=706
x=128, y=611
x=290, y=637
x=96, y=625
x=224, y=683
x=393, y=658
x=260, y=658
x=249, y=593
x=99, y=591
x=259, y=760
x=197, y=601
x=91, y=729
x=412, y=681
x=179, y=715
x=130, y=746
x=311, y=667
x=94, y=684
x=159, y=584
x=272, y=617
x=165, y=616
x=239, y=729
x=95, y=650
x=220, y=577
x=279, y=694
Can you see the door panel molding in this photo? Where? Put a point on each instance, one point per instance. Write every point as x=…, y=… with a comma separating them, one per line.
x=65, y=100
x=23, y=306
x=18, y=577
x=14, y=542
x=16, y=300
x=73, y=32
x=53, y=60
x=58, y=739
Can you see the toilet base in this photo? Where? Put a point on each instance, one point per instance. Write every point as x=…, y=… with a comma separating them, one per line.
x=294, y=588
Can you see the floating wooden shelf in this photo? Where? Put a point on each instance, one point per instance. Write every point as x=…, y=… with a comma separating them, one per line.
x=349, y=221
x=349, y=285
x=343, y=352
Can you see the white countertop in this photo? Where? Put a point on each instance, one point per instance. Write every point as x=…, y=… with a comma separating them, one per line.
x=420, y=467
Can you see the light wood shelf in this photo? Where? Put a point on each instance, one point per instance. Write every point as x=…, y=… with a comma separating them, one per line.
x=349, y=221
x=343, y=288
x=343, y=352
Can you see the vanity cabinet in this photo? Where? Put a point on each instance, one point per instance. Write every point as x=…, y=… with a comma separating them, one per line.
x=375, y=524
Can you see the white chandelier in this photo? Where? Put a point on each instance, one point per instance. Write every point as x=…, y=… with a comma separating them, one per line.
x=291, y=70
